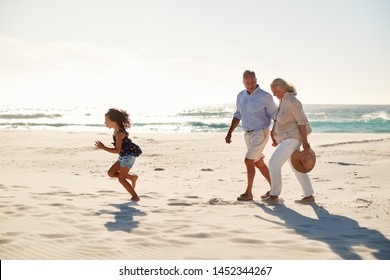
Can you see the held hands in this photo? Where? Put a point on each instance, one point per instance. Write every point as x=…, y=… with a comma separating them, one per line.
x=274, y=142
x=99, y=145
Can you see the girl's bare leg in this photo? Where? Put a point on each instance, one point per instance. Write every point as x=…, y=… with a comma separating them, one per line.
x=123, y=172
x=113, y=172
x=114, y=169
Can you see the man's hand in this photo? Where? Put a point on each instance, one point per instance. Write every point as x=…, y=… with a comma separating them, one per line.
x=228, y=138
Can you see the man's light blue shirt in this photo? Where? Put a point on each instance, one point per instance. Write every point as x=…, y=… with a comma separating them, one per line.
x=255, y=110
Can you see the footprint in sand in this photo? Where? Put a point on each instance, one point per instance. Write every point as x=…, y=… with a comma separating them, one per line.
x=159, y=169
x=176, y=202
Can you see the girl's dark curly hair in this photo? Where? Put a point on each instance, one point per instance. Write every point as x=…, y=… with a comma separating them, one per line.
x=120, y=117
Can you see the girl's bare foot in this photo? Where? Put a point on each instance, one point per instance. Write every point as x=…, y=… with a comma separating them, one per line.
x=133, y=179
x=135, y=198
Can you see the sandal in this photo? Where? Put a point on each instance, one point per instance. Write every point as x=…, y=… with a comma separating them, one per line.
x=245, y=197
x=306, y=200
x=271, y=199
x=267, y=194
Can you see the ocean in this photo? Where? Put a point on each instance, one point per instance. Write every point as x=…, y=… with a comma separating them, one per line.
x=215, y=118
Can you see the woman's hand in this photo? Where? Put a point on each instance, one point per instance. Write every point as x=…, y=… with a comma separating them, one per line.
x=306, y=146
x=305, y=142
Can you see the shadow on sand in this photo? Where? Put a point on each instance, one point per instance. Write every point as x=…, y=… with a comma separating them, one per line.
x=339, y=232
x=124, y=217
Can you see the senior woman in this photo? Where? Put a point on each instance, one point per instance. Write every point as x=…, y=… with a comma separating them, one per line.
x=290, y=131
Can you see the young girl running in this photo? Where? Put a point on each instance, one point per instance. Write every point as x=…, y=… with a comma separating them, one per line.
x=127, y=150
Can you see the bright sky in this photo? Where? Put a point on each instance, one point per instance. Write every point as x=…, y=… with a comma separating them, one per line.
x=166, y=54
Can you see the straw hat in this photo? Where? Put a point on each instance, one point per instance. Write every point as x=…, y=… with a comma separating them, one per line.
x=303, y=161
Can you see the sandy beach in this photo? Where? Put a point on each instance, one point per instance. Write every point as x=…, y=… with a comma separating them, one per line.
x=58, y=203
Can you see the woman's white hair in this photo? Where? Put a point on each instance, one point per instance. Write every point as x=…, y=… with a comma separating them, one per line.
x=282, y=83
